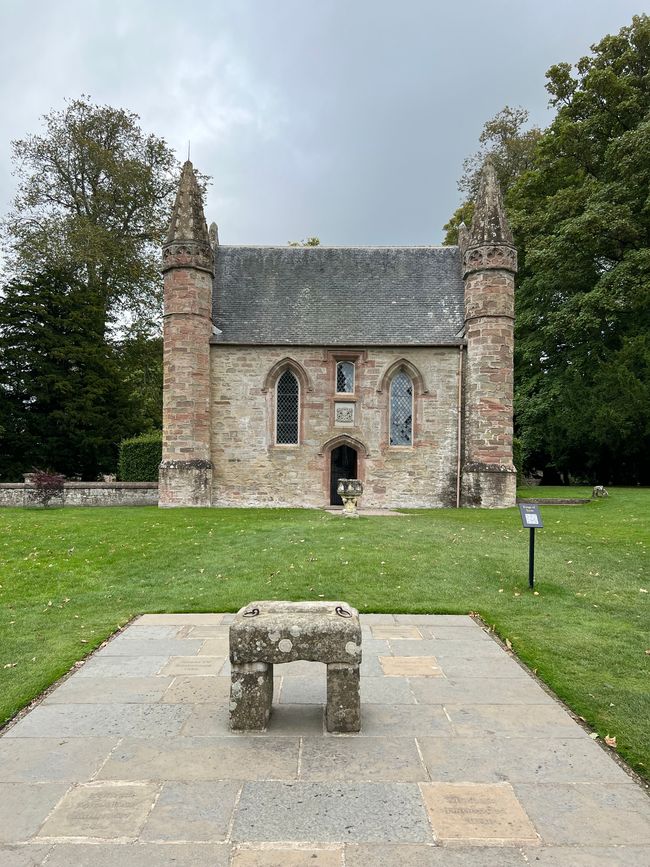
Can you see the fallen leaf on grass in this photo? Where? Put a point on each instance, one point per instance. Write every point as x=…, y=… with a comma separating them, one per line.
x=10, y=665
x=611, y=742
x=508, y=644
x=594, y=736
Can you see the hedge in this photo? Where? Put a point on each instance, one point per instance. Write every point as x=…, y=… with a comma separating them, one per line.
x=139, y=458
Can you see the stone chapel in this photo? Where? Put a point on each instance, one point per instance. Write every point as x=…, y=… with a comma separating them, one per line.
x=289, y=368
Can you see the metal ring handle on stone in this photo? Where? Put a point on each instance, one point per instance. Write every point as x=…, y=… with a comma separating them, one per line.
x=252, y=612
x=342, y=612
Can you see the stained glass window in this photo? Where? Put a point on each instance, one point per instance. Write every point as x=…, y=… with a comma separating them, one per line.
x=401, y=410
x=287, y=409
x=344, y=377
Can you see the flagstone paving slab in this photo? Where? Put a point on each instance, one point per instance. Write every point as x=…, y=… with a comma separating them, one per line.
x=95, y=720
x=448, y=650
x=26, y=760
x=26, y=855
x=278, y=857
x=203, y=758
x=196, y=690
x=410, y=666
x=591, y=856
x=545, y=721
x=197, y=811
x=479, y=813
x=479, y=690
x=585, y=814
x=215, y=647
x=102, y=810
x=121, y=666
x=374, y=690
x=126, y=646
x=405, y=719
x=388, y=632
x=180, y=619
x=331, y=812
x=138, y=631
x=490, y=759
x=25, y=806
x=109, y=690
x=438, y=620
x=193, y=666
x=213, y=720
x=135, y=746
x=140, y=855
x=365, y=855
x=393, y=759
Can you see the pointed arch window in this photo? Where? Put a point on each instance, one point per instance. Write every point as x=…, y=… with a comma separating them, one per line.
x=401, y=409
x=287, y=409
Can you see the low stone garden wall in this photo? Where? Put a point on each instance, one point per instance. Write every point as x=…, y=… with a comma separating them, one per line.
x=87, y=494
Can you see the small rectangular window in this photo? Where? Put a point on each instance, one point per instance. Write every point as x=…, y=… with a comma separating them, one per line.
x=345, y=377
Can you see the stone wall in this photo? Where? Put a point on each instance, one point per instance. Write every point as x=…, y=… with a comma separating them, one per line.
x=249, y=469
x=89, y=494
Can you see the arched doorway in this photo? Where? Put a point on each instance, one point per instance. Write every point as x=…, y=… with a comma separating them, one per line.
x=343, y=465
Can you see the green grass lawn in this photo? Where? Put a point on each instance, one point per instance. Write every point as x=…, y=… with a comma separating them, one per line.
x=70, y=577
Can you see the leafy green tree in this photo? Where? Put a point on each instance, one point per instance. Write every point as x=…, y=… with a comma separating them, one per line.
x=63, y=401
x=93, y=200
x=582, y=224
x=139, y=355
x=511, y=143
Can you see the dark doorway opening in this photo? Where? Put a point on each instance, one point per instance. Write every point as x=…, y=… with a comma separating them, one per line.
x=343, y=466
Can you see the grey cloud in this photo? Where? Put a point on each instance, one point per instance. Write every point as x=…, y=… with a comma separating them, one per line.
x=348, y=119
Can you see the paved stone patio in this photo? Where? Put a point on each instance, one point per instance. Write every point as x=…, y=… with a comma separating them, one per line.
x=462, y=760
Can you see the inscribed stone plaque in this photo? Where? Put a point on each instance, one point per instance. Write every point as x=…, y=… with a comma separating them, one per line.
x=410, y=666
x=477, y=814
x=103, y=810
x=344, y=414
x=192, y=666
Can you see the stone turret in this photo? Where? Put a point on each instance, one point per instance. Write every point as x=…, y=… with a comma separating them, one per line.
x=188, y=268
x=489, y=266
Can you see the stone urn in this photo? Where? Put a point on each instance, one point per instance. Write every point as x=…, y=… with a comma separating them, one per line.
x=349, y=490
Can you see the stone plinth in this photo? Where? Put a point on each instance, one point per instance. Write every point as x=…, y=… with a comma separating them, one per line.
x=264, y=633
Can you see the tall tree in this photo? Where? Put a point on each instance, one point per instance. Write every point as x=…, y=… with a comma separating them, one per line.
x=93, y=199
x=511, y=143
x=582, y=224
x=63, y=400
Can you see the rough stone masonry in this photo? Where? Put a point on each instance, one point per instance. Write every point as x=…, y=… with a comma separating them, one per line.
x=266, y=633
x=256, y=409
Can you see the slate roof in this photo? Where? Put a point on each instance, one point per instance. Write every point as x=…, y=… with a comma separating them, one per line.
x=338, y=296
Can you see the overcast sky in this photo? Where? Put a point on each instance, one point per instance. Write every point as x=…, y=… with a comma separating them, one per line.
x=346, y=119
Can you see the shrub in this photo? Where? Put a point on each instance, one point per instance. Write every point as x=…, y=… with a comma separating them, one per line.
x=46, y=486
x=139, y=458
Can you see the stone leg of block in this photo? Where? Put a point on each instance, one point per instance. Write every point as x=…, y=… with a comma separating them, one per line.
x=251, y=694
x=343, y=702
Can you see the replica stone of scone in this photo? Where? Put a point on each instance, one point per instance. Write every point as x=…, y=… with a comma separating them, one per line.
x=264, y=633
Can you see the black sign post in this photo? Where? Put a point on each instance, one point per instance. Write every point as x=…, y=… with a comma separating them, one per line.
x=531, y=518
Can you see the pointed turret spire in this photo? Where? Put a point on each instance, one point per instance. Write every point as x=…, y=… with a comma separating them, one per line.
x=489, y=242
x=188, y=242
x=489, y=223
x=463, y=237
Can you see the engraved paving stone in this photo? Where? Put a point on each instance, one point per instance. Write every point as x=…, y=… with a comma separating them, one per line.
x=265, y=633
x=104, y=810
x=477, y=814
x=410, y=666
